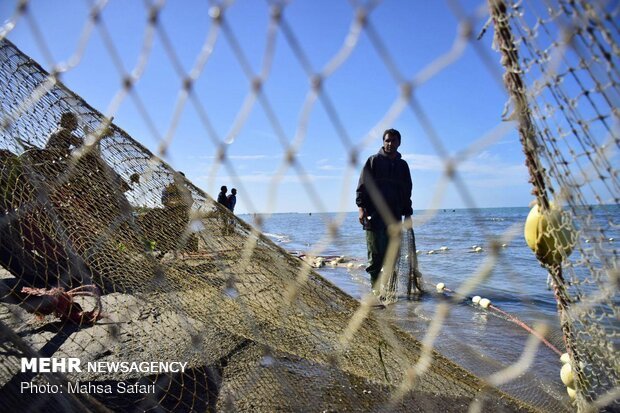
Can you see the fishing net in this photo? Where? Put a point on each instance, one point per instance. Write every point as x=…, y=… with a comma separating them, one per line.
x=562, y=76
x=182, y=278
x=86, y=208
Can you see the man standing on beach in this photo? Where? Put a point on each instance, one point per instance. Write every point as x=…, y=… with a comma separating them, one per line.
x=383, y=196
x=232, y=199
x=221, y=197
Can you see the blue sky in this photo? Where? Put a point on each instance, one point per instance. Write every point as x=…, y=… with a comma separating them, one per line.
x=463, y=101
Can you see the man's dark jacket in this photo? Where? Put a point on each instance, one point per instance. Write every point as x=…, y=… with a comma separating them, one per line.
x=392, y=178
x=221, y=198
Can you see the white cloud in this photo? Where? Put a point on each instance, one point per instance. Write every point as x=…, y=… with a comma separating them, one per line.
x=330, y=168
x=485, y=170
x=325, y=165
x=485, y=155
x=422, y=162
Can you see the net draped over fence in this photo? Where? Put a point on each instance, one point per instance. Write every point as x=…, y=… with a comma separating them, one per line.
x=86, y=208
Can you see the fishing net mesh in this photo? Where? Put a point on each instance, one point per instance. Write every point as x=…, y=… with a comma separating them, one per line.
x=87, y=208
x=562, y=78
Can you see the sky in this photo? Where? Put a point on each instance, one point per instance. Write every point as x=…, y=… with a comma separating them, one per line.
x=462, y=100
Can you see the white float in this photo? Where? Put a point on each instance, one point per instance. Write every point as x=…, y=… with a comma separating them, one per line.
x=566, y=374
x=485, y=302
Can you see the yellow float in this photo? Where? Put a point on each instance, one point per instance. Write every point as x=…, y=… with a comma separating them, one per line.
x=550, y=234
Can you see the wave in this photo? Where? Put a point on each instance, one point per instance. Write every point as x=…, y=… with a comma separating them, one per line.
x=278, y=237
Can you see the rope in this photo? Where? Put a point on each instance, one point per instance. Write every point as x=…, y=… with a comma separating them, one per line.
x=526, y=328
x=514, y=320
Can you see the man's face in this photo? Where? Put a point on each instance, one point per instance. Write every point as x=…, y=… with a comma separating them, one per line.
x=390, y=144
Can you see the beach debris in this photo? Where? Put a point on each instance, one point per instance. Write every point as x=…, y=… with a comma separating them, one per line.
x=59, y=302
x=320, y=261
x=338, y=260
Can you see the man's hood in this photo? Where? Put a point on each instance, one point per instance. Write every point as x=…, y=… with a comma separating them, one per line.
x=382, y=153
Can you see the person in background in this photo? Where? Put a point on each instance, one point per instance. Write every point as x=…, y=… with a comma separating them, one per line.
x=232, y=200
x=221, y=197
x=383, y=196
x=165, y=228
x=61, y=141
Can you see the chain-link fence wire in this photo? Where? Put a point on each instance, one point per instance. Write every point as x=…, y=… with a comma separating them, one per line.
x=262, y=331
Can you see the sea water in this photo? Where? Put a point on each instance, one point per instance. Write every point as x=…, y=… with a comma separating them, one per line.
x=479, y=340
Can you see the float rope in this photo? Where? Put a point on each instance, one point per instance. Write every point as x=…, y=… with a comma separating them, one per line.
x=526, y=327
x=441, y=287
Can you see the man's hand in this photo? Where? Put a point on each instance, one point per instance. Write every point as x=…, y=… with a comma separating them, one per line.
x=362, y=215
